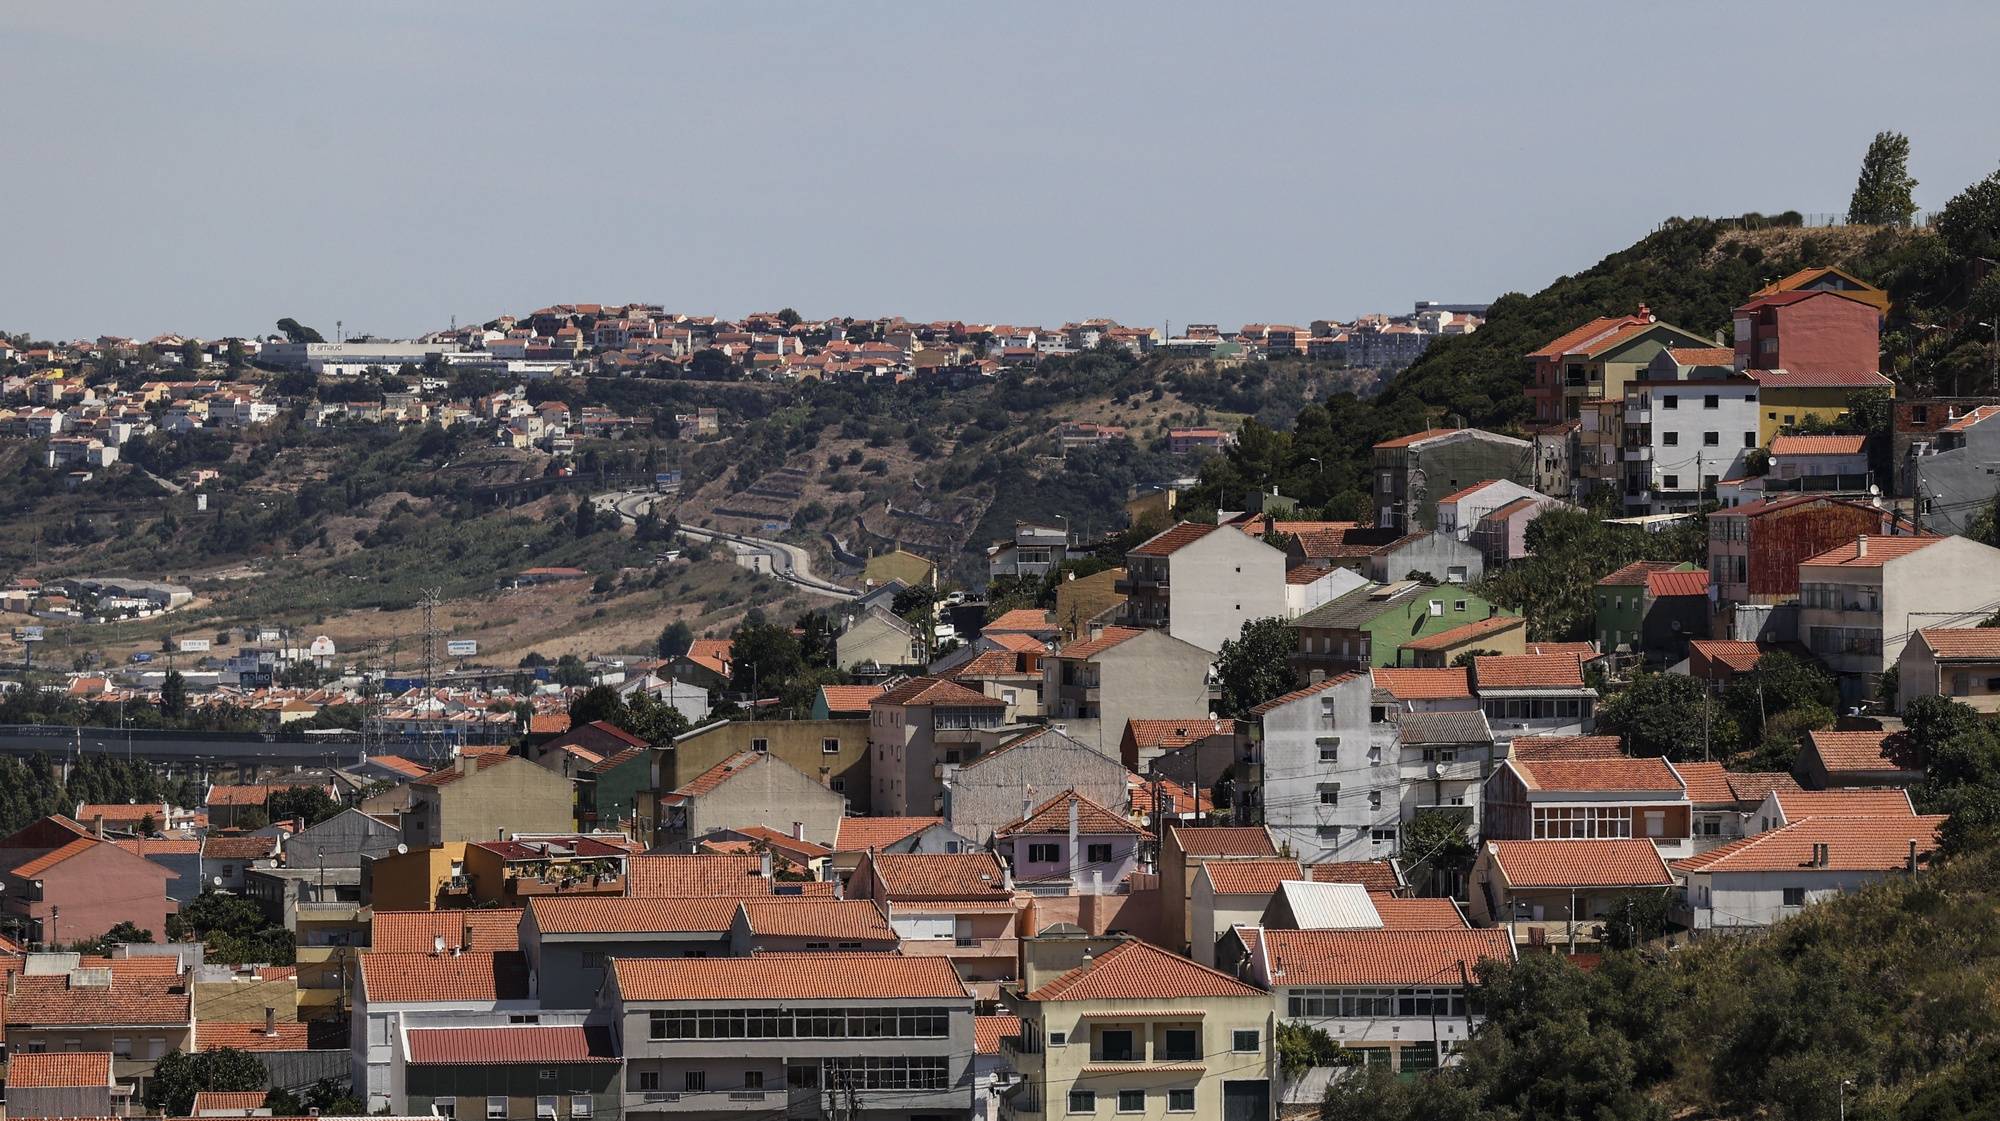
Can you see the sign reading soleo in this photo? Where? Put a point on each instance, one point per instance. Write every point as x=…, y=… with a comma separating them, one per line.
x=461, y=648
x=194, y=646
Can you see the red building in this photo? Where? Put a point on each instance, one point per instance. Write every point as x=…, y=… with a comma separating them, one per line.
x=1754, y=549
x=70, y=885
x=1808, y=332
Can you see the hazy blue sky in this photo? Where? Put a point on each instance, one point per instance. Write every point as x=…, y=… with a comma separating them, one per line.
x=211, y=167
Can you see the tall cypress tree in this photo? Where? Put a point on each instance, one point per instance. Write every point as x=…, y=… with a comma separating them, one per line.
x=1882, y=194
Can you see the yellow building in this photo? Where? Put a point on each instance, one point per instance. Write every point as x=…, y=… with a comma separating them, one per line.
x=419, y=880
x=1134, y=1031
x=1826, y=278
x=1088, y=599
x=1786, y=398
x=1152, y=506
x=900, y=564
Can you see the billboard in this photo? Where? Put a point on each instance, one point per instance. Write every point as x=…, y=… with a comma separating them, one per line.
x=194, y=646
x=461, y=648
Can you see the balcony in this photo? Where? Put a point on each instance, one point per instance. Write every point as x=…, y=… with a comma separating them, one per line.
x=746, y=1102
x=555, y=883
x=456, y=886
x=1638, y=454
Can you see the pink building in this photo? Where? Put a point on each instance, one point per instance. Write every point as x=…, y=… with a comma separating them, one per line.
x=1808, y=332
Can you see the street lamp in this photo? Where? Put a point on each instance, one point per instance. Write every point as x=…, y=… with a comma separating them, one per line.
x=1993, y=356
x=1846, y=1084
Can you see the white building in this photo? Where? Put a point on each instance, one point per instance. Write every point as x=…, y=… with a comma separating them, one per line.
x=1459, y=512
x=1202, y=582
x=1761, y=879
x=1690, y=420
x=1859, y=603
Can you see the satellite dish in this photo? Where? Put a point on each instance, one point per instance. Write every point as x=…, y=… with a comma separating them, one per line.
x=216, y=880
x=402, y=849
x=1874, y=491
x=1437, y=770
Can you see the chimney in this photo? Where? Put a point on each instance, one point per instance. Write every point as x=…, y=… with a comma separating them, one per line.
x=466, y=935
x=764, y=865
x=1861, y=546
x=97, y=825
x=437, y=945
x=1025, y=922
x=13, y=982
x=1646, y=314
x=798, y=830
x=270, y=1020
x=1913, y=856
x=1075, y=857
x=464, y=764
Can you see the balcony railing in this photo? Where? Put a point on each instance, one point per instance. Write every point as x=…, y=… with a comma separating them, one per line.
x=749, y=1102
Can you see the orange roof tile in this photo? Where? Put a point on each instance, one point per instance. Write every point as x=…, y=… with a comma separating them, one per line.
x=845, y=920
x=1539, y=748
x=1971, y=418
x=414, y=931
x=1016, y=642
x=1602, y=863
x=160, y=846
x=399, y=978
x=52, y=1070
x=1375, y=875
x=1224, y=840
x=1707, y=783
x=512, y=1044
x=291, y=1035
x=1735, y=656
x=1169, y=735
x=1022, y=619
x=1381, y=957
x=715, y=776
x=619, y=915
x=1173, y=540
x=1572, y=340
x=480, y=761
x=1634, y=574
x=1963, y=643
x=1819, y=379
x=660, y=877
x=1852, y=845
x=859, y=834
x=789, y=976
x=226, y=1101
x=1466, y=632
x=1466, y=492
x=941, y=876
x=848, y=698
x=937, y=691
x=1819, y=445
x=1890, y=803
x=130, y=998
x=55, y=856
x=1870, y=551
x=1528, y=671
x=1134, y=970
x=1417, y=914
x=988, y=1031
x=1677, y=583
x=1052, y=816
x=1424, y=684
x=1856, y=751
x=239, y=848
x=1301, y=694
x=1100, y=642
x=1249, y=877
x=1650, y=775
x=1702, y=355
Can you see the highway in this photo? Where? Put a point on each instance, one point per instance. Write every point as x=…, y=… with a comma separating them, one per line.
x=160, y=746
x=787, y=562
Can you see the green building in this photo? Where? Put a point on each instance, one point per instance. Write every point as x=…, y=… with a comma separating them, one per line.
x=1367, y=626
x=1621, y=604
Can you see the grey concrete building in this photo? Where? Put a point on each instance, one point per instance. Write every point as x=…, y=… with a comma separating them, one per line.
x=1093, y=687
x=1413, y=472
x=1002, y=785
x=344, y=840
x=1953, y=471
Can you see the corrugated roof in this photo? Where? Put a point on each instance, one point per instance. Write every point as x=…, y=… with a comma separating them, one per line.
x=1135, y=970
x=789, y=976
x=1422, y=728
x=1317, y=906
x=485, y=1046
x=1599, y=863
x=1677, y=583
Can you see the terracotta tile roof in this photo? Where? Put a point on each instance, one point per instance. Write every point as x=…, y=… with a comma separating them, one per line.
x=941, y=876
x=1249, y=877
x=410, y=768
x=661, y=877
x=1878, y=803
x=1301, y=694
x=1819, y=379
x=1586, y=651
x=239, y=848
x=226, y=1101
x=1971, y=418
x=117, y=812
x=413, y=931
x=1311, y=572
x=614, y=915
x=1856, y=751
x=1734, y=656
x=55, y=856
x=990, y=663
x=1169, y=735
x=1381, y=957
x=1963, y=643
x=51, y=1070
x=513, y=1044
x=1100, y=642
x=546, y=724
x=1634, y=574
x=845, y=920
x=937, y=691
x=1707, y=783
x=1135, y=970
x=1651, y=775
x=1819, y=445
x=1016, y=642
x=859, y=834
x=1424, y=684
x=783, y=842
x=1754, y=786
x=243, y=794
x=1375, y=875
x=712, y=653
x=1446, y=639
x=398, y=978
x=160, y=846
x=715, y=776
x=447, y=775
x=1052, y=816
x=848, y=698
x=1543, y=748
x=1418, y=914
x=1528, y=671
x=1605, y=863
x=291, y=1035
x=1224, y=840
x=789, y=976
x=1677, y=583
x=1023, y=619
x=988, y=1031
x=1173, y=540
x=1417, y=437
x=142, y=998
x=1702, y=355
x=1164, y=797
x=1878, y=549
x=1570, y=341
x=1852, y=845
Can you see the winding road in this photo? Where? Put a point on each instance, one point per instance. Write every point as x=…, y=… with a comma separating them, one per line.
x=787, y=562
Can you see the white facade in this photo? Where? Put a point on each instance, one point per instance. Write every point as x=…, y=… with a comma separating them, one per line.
x=1219, y=582
x=1459, y=514
x=1723, y=899
x=1686, y=429
x=1321, y=768
x=1329, y=586
x=378, y=1034
x=1858, y=617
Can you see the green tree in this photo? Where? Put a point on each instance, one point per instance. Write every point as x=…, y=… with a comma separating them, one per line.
x=309, y=802
x=1255, y=666
x=1668, y=714
x=1882, y=193
x=179, y=1076
x=675, y=640
x=763, y=656
x=1302, y=1047
x=656, y=722
x=173, y=696
x=599, y=702
x=1970, y=222
x=297, y=332
x=1436, y=848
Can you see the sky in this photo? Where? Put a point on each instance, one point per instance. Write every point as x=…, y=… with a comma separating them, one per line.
x=210, y=167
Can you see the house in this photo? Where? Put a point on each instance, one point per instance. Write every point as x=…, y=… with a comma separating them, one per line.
x=397, y=991
x=706, y=664
x=1537, y=797
x=1754, y=549
x=65, y=884
x=1013, y=676
x=1370, y=625
x=67, y=1084
x=1816, y=463
x=478, y=796
x=1597, y=361
x=1497, y=634
x=1459, y=512
x=731, y=875
x=1397, y=996
x=1773, y=875
x=1949, y=474
x=180, y=857
x=1722, y=801
x=1070, y=845
x=1310, y=744
x=520, y=1072
x=960, y=906
x=607, y=791
x=1858, y=601
x=1031, y=621
x=918, y=726
x=1093, y=687
x=1787, y=397
x=898, y=564
x=1502, y=535
x=1184, y=850
x=1847, y=760
x=1413, y=473
x=1134, y=1029
x=1312, y=583
x=137, y=1010
x=1809, y=330
x=1192, y=752
x=1690, y=421
x=1552, y=894
x=1962, y=663
x=1622, y=599
x=1827, y=278
x=1785, y=805
x=1001, y=786
x=1427, y=557
x=568, y=941
x=844, y=702
x=509, y=873
x=750, y=789
x=833, y=752
x=346, y=840
x=783, y=925
x=1230, y=893
x=1534, y=694
x=1031, y=554
x=864, y=1034
x=789, y=853
x=862, y=835
x=1201, y=582
x=879, y=642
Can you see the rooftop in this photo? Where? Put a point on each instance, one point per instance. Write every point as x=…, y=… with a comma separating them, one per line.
x=1600, y=863
x=1053, y=816
x=1528, y=671
x=1603, y=774
x=1819, y=445
x=936, y=691
x=1549, y=748
x=1424, y=684
x=414, y=932
x=1963, y=643
x=1869, y=551
x=399, y=978
x=1223, y=840
x=49, y=1070
x=1312, y=690
x=1442, y=957
x=1135, y=970
x=860, y=834
x=1376, y=875
x=1250, y=877
x=789, y=976
x=511, y=1044
x=1465, y=632
x=1848, y=752
x=1851, y=845
x=1877, y=803
x=1098, y=643
x=616, y=915
x=942, y=876
x=1173, y=540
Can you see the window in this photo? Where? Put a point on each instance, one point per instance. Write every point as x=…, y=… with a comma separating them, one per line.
x=1043, y=853
x=753, y=1080
x=1097, y=854
x=1791, y=418
x=1083, y=1101
x=592, y=959
x=837, y=785
x=1329, y=794
x=1670, y=482
x=1749, y=439
x=1328, y=832
x=545, y=1108
x=1567, y=823
x=1711, y=401
x=1437, y=607
x=1243, y=1040
x=496, y=1109
x=1795, y=897
x=649, y=1080
x=1329, y=749
x=760, y=744
x=1131, y=1101
x=1711, y=439
x=1115, y=1046
x=1961, y=684
x=1671, y=439
x=1374, y=799
x=547, y=1074
x=1180, y=1045
x=1180, y=1100
x=1670, y=401
x=532, y=1018
x=696, y=1081
x=446, y=1106
x=581, y=1105
x=1058, y=1038
x=829, y=746
x=121, y=1048
x=1382, y=836
x=1458, y=605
